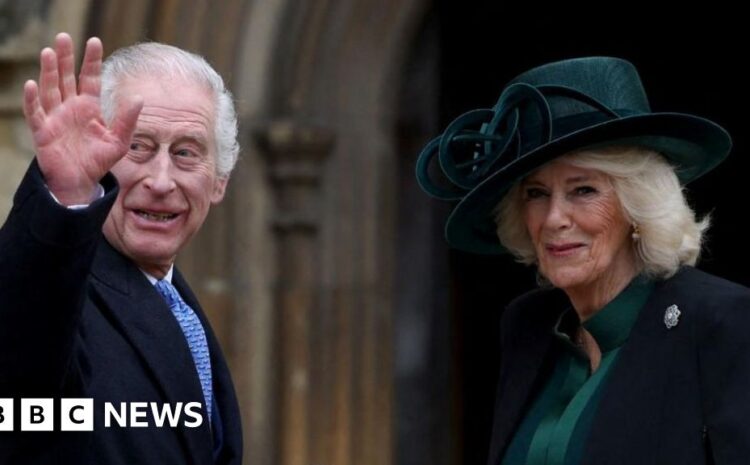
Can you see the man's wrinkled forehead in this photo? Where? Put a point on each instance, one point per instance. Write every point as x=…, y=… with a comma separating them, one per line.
x=173, y=110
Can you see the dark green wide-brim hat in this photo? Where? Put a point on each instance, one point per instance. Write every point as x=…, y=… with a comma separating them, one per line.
x=543, y=114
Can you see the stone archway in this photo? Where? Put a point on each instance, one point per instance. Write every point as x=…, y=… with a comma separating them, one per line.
x=335, y=81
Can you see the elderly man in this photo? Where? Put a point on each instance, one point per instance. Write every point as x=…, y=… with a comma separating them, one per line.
x=91, y=305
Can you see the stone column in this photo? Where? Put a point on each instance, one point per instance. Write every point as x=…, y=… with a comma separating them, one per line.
x=295, y=154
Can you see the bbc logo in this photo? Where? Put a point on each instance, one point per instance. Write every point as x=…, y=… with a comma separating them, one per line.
x=39, y=414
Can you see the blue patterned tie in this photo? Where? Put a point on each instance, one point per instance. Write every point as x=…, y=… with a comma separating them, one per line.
x=195, y=335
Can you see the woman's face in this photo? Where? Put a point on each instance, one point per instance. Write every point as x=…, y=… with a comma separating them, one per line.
x=576, y=223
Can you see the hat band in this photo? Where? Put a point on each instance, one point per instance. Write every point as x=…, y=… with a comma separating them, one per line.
x=565, y=125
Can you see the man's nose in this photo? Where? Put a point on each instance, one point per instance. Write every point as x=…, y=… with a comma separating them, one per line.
x=159, y=179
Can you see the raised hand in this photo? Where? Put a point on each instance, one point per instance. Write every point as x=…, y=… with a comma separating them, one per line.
x=74, y=146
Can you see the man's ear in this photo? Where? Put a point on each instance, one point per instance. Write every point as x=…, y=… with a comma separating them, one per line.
x=220, y=187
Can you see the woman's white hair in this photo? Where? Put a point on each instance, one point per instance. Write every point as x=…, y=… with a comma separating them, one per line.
x=161, y=61
x=651, y=197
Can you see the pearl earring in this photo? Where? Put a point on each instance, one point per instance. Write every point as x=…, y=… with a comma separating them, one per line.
x=636, y=232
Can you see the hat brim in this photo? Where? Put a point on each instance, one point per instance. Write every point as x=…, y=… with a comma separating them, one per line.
x=693, y=145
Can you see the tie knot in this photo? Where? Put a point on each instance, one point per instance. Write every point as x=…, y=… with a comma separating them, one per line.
x=168, y=291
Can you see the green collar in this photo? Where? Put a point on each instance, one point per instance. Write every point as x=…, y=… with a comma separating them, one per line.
x=611, y=325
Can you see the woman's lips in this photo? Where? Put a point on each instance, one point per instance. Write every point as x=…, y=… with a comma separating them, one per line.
x=564, y=250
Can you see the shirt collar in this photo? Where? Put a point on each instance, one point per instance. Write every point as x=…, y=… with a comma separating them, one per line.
x=153, y=280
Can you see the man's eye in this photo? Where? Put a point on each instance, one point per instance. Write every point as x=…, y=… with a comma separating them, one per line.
x=139, y=151
x=184, y=153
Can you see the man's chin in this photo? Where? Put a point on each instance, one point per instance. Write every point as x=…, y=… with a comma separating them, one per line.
x=151, y=256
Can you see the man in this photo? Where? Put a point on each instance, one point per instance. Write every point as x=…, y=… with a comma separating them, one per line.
x=87, y=303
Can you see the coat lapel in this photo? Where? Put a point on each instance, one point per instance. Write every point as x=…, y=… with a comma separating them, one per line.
x=631, y=399
x=524, y=364
x=143, y=317
x=225, y=399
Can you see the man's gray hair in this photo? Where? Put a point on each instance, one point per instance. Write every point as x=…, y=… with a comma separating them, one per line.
x=153, y=59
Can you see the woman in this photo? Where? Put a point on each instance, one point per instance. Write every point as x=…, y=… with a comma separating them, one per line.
x=626, y=354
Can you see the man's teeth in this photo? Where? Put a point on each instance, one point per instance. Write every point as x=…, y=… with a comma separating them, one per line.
x=156, y=216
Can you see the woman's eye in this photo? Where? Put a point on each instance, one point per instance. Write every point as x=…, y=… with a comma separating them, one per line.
x=585, y=190
x=534, y=193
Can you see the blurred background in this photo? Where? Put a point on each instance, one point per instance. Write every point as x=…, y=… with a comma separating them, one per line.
x=355, y=336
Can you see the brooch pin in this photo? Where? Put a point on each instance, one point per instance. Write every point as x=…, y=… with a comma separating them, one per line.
x=672, y=316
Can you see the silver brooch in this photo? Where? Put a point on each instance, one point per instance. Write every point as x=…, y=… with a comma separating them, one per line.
x=672, y=316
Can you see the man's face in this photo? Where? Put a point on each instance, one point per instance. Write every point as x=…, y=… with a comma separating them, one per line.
x=168, y=178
